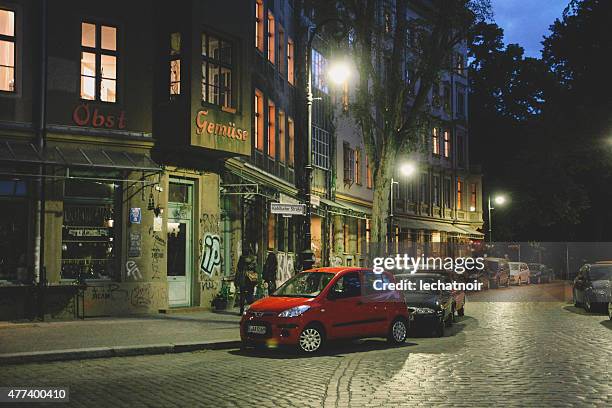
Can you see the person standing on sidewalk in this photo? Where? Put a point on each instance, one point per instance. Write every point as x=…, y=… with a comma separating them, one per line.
x=269, y=272
x=246, y=277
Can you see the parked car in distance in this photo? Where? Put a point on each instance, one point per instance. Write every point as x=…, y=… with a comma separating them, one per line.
x=324, y=304
x=433, y=309
x=498, y=271
x=592, y=285
x=539, y=273
x=519, y=273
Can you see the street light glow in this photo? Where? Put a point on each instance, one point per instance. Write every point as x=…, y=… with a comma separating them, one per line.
x=408, y=169
x=339, y=72
x=500, y=200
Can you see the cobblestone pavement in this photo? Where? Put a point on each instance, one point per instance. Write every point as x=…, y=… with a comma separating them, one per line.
x=523, y=354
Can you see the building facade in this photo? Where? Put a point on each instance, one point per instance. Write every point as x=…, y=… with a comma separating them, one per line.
x=140, y=153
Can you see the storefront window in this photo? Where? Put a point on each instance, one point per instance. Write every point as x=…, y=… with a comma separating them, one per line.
x=89, y=230
x=13, y=230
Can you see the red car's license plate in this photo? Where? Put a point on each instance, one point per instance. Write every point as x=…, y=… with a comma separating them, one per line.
x=256, y=329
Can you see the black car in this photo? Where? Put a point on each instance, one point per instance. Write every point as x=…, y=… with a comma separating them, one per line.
x=592, y=285
x=429, y=308
x=539, y=273
x=498, y=272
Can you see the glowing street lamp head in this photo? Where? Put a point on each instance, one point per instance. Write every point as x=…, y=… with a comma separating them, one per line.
x=339, y=72
x=408, y=169
x=500, y=200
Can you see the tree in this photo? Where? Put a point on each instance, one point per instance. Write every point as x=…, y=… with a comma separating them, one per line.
x=391, y=110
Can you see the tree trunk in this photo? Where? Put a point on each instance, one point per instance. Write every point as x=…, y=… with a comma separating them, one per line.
x=380, y=203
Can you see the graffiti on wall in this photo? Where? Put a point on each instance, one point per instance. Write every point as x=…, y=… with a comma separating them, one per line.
x=211, y=255
x=140, y=295
x=335, y=260
x=157, y=255
x=285, y=268
x=146, y=295
x=209, y=222
x=132, y=270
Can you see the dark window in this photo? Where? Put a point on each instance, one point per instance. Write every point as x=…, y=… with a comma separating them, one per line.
x=217, y=68
x=348, y=286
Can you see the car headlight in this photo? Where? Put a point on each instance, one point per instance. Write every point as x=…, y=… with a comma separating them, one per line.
x=246, y=310
x=294, y=311
x=422, y=310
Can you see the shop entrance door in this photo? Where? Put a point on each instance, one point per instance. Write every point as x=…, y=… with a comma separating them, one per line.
x=180, y=248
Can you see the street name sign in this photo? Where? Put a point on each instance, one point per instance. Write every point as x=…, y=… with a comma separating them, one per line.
x=288, y=209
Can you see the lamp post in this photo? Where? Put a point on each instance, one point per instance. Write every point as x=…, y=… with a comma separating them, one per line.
x=407, y=169
x=499, y=200
x=338, y=73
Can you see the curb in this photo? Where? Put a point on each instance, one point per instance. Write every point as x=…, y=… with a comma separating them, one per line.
x=116, y=351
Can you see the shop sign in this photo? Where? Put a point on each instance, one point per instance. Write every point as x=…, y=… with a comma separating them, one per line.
x=86, y=115
x=315, y=200
x=227, y=130
x=135, y=215
x=134, y=245
x=87, y=232
x=287, y=209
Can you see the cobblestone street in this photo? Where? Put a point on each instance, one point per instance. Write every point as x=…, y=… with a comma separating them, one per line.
x=511, y=353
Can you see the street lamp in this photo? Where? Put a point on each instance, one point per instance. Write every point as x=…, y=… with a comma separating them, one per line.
x=499, y=200
x=407, y=169
x=338, y=73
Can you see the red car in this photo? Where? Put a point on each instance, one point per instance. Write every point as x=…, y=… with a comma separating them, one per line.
x=324, y=304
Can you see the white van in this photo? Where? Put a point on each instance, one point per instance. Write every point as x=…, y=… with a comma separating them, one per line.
x=519, y=273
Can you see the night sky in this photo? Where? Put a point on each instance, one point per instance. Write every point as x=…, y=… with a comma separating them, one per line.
x=526, y=21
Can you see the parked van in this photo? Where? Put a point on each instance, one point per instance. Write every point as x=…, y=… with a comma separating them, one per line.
x=519, y=273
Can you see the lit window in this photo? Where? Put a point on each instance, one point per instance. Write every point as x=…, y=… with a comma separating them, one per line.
x=281, y=136
x=217, y=65
x=368, y=173
x=7, y=50
x=290, y=61
x=271, y=129
x=271, y=231
x=436, y=141
x=473, y=195
x=98, y=62
x=175, y=64
x=271, y=30
x=345, y=96
x=259, y=120
x=446, y=143
x=460, y=64
x=259, y=25
x=319, y=68
x=291, y=134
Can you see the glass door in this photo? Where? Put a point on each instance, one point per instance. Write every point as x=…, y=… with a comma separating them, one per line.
x=180, y=253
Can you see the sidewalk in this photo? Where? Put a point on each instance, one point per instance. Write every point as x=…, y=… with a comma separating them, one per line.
x=117, y=336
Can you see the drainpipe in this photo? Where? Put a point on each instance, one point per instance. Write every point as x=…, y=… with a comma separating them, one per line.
x=40, y=277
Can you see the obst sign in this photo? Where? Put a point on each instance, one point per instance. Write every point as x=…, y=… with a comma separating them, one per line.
x=86, y=115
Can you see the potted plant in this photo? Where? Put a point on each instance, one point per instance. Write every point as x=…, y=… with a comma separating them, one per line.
x=221, y=300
